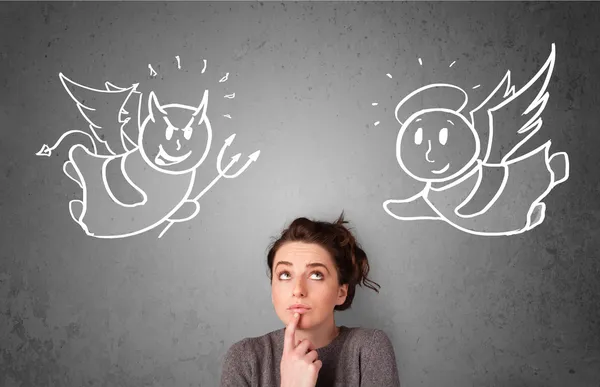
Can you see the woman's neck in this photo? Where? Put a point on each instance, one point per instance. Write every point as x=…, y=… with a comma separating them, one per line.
x=319, y=337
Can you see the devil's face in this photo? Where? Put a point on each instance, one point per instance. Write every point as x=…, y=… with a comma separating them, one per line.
x=436, y=145
x=175, y=138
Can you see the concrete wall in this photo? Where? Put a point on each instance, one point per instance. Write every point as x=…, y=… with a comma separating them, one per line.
x=461, y=309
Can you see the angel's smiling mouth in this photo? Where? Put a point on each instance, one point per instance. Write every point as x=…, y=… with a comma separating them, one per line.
x=437, y=172
x=165, y=159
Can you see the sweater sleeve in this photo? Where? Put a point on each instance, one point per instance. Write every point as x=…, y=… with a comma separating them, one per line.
x=237, y=366
x=378, y=363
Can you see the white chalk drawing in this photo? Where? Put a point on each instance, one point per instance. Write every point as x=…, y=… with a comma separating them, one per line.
x=458, y=158
x=139, y=172
x=152, y=71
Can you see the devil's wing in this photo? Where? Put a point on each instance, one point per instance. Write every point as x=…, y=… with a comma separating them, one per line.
x=508, y=119
x=112, y=113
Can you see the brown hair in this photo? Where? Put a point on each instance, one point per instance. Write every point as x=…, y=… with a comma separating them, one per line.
x=350, y=260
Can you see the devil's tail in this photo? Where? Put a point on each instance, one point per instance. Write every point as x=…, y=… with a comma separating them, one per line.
x=47, y=150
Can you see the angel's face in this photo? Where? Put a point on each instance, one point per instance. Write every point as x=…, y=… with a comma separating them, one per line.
x=436, y=145
x=175, y=138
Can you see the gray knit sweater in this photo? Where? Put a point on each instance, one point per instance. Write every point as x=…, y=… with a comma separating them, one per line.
x=357, y=357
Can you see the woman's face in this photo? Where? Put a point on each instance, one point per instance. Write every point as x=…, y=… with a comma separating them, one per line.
x=305, y=274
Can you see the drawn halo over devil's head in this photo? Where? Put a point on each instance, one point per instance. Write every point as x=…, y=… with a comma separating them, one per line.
x=436, y=143
x=175, y=138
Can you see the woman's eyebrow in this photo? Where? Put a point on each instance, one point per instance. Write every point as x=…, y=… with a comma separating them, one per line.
x=314, y=264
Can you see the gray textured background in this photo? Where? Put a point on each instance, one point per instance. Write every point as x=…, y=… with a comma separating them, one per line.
x=461, y=310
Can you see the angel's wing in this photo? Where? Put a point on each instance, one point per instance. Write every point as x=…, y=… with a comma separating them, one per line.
x=507, y=119
x=113, y=113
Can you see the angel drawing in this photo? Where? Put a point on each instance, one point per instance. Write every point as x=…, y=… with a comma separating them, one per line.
x=479, y=175
x=138, y=172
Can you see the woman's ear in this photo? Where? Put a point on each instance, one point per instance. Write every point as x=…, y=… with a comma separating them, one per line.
x=342, y=294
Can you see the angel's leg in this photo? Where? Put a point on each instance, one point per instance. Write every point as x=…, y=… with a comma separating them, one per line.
x=536, y=215
x=558, y=163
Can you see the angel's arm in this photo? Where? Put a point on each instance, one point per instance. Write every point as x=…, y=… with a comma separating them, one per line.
x=491, y=181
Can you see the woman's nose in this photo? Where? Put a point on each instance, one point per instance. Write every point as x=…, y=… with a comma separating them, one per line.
x=299, y=289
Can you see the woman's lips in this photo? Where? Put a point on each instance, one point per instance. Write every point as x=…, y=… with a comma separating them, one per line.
x=299, y=310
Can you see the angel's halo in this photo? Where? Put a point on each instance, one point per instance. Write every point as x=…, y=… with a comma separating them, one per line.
x=435, y=95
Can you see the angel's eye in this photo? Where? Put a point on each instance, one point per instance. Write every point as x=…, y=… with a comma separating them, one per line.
x=443, y=136
x=419, y=136
x=169, y=132
x=187, y=133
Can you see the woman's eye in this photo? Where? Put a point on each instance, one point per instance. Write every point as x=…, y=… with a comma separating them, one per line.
x=187, y=133
x=315, y=272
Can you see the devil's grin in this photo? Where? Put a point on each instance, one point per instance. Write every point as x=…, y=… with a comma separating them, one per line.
x=165, y=159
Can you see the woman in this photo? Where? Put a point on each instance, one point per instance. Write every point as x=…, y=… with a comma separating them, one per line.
x=314, y=269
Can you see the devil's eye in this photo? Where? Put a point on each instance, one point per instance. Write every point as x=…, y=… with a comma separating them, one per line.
x=169, y=132
x=187, y=133
x=419, y=136
x=443, y=136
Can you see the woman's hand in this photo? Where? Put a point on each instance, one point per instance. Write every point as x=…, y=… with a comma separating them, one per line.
x=298, y=368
